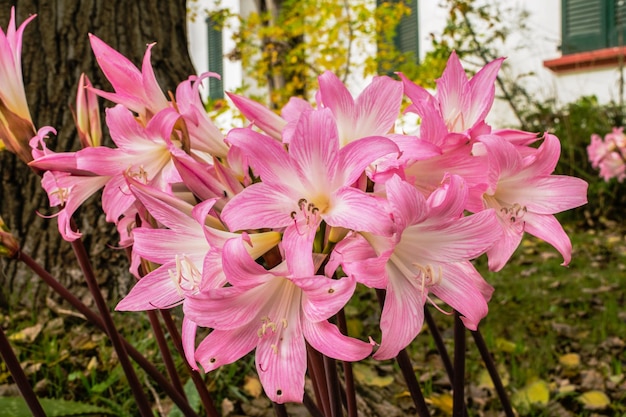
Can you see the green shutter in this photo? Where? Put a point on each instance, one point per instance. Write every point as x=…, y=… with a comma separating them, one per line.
x=407, y=40
x=584, y=25
x=617, y=16
x=216, y=60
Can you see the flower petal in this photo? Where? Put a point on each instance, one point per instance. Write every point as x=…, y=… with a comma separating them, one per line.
x=222, y=347
x=328, y=340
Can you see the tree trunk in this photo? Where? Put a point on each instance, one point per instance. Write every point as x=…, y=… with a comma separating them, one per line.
x=55, y=52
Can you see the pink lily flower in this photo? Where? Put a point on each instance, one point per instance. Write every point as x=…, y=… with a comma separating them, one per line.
x=276, y=312
x=372, y=113
x=204, y=135
x=525, y=195
x=183, y=250
x=458, y=110
x=310, y=183
x=137, y=90
x=429, y=253
x=16, y=125
x=143, y=153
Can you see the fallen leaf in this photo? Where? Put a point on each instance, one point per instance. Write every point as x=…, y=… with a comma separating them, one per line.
x=594, y=400
x=252, y=386
x=28, y=334
x=570, y=360
x=534, y=393
x=443, y=402
x=504, y=345
x=367, y=375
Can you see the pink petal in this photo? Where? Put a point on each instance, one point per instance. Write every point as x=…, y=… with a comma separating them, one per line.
x=549, y=195
x=157, y=290
x=222, y=347
x=500, y=253
x=408, y=205
x=353, y=209
x=548, y=228
x=402, y=317
x=357, y=155
x=268, y=158
x=281, y=364
x=225, y=308
x=259, y=115
x=261, y=205
x=324, y=297
x=240, y=269
x=188, y=336
x=359, y=259
x=328, y=340
x=462, y=288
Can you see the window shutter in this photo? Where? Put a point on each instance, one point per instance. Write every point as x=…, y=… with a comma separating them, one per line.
x=407, y=40
x=584, y=25
x=617, y=16
x=216, y=60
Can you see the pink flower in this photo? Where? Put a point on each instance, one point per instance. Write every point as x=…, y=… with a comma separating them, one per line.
x=429, y=253
x=459, y=108
x=372, y=113
x=310, y=183
x=525, y=195
x=137, y=90
x=16, y=125
x=277, y=312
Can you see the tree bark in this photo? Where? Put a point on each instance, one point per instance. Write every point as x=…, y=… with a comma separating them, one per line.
x=55, y=52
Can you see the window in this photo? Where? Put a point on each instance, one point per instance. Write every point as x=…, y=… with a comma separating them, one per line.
x=406, y=37
x=405, y=46
x=589, y=25
x=216, y=59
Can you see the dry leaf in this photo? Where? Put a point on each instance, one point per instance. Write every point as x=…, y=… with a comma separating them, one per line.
x=28, y=334
x=594, y=400
x=367, y=375
x=534, y=393
x=570, y=360
x=504, y=345
x=252, y=386
x=443, y=402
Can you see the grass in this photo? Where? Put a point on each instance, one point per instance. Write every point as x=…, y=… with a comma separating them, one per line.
x=539, y=312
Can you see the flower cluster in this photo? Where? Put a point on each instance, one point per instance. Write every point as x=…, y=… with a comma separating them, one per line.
x=262, y=233
x=609, y=154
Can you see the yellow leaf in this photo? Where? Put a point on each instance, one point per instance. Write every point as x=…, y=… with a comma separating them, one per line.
x=93, y=364
x=570, y=360
x=485, y=381
x=594, y=400
x=366, y=374
x=28, y=334
x=252, y=386
x=504, y=345
x=534, y=393
x=443, y=402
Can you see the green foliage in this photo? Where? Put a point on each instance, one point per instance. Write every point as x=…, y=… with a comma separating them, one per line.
x=288, y=45
x=16, y=407
x=573, y=124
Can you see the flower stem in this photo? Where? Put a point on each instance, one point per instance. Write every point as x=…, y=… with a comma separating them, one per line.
x=318, y=377
x=493, y=372
x=441, y=347
x=165, y=352
x=19, y=376
x=347, y=371
x=458, y=383
x=412, y=384
x=334, y=390
x=205, y=397
x=135, y=386
x=311, y=407
x=98, y=322
x=280, y=410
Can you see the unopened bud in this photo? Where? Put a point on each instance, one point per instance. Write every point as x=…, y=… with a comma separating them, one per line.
x=9, y=247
